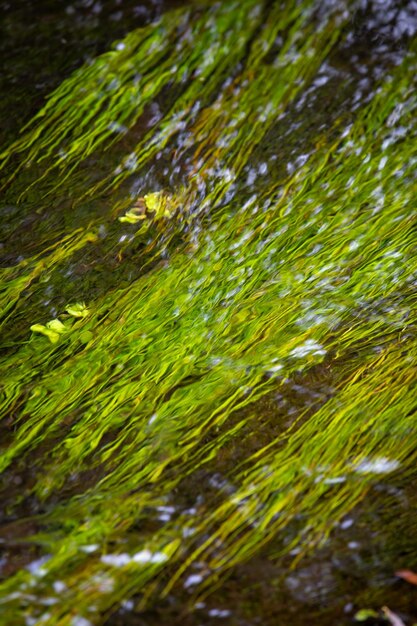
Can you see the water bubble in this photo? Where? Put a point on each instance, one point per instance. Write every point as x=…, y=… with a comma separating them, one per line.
x=193, y=579
x=379, y=465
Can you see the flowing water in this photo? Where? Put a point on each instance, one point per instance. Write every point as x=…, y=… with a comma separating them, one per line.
x=208, y=401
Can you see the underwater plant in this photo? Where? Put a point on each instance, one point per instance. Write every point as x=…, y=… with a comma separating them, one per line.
x=257, y=264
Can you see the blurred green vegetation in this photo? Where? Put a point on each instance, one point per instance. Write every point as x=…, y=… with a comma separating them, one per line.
x=260, y=272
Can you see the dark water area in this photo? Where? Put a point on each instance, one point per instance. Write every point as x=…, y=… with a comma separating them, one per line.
x=42, y=43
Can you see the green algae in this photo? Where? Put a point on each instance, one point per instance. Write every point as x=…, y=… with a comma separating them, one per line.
x=164, y=374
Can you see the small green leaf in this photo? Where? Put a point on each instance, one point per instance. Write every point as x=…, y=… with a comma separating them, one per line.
x=52, y=335
x=38, y=328
x=77, y=310
x=131, y=217
x=153, y=201
x=57, y=326
x=159, y=203
x=53, y=330
x=364, y=614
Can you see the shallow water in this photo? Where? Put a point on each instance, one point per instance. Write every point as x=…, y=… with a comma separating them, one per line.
x=352, y=568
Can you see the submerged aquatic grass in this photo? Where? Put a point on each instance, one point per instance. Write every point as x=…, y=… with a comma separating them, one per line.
x=161, y=378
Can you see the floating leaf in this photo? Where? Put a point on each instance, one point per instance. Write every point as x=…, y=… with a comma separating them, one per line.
x=53, y=329
x=364, y=614
x=57, y=326
x=52, y=335
x=159, y=203
x=77, y=310
x=392, y=617
x=132, y=217
x=153, y=205
x=408, y=575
